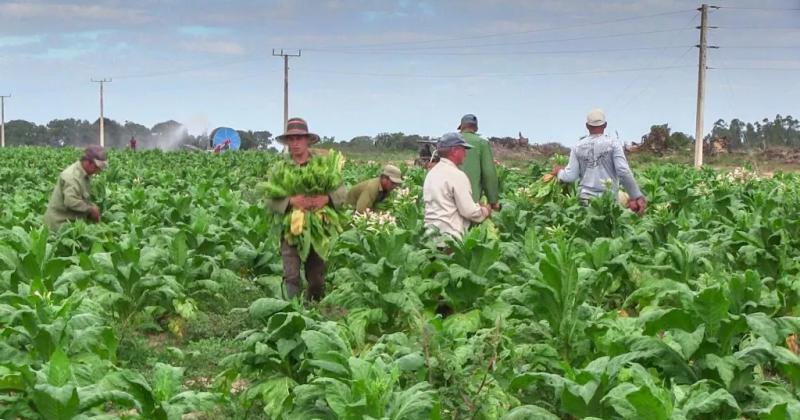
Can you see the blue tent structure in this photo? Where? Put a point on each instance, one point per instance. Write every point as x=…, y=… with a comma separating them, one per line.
x=225, y=135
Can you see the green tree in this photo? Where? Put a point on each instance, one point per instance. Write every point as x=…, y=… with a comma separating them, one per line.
x=25, y=133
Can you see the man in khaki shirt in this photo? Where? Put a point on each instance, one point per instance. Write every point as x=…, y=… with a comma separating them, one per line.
x=449, y=207
x=297, y=140
x=365, y=195
x=70, y=198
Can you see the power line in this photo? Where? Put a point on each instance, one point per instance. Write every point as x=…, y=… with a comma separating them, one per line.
x=504, y=34
x=759, y=46
x=593, y=51
x=768, y=9
x=655, y=79
x=506, y=44
x=757, y=68
x=480, y=75
x=650, y=81
x=764, y=28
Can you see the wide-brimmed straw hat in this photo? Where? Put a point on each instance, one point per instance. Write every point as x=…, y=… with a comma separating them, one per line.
x=297, y=127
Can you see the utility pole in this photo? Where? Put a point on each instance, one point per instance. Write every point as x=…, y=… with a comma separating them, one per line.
x=701, y=85
x=102, y=126
x=285, y=56
x=3, y=119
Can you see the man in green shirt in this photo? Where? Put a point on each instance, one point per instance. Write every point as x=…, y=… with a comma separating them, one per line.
x=70, y=198
x=297, y=140
x=365, y=195
x=479, y=163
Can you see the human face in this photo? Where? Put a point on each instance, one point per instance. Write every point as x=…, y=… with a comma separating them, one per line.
x=387, y=184
x=458, y=154
x=90, y=167
x=297, y=144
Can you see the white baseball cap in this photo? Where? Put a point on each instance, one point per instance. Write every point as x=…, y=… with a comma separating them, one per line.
x=596, y=117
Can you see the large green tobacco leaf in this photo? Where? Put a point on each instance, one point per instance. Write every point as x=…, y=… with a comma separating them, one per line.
x=529, y=412
x=56, y=403
x=700, y=400
x=276, y=393
x=59, y=370
x=264, y=308
x=167, y=381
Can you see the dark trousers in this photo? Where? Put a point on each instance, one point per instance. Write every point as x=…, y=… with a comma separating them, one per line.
x=314, y=270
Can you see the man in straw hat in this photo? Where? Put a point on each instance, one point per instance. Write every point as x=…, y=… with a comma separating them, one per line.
x=449, y=204
x=70, y=198
x=479, y=163
x=297, y=140
x=598, y=160
x=365, y=195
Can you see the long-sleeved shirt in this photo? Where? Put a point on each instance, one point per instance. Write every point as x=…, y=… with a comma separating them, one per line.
x=449, y=206
x=480, y=169
x=365, y=195
x=281, y=205
x=70, y=198
x=596, y=160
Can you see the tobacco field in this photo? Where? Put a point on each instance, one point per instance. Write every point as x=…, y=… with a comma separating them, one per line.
x=172, y=306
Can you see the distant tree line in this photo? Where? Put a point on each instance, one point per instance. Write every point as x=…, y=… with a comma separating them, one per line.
x=780, y=132
x=74, y=132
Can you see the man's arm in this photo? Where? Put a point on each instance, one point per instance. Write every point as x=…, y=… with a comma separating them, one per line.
x=462, y=195
x=73, y=199
x=573, y=171
x=624, y=172
x=489, y=174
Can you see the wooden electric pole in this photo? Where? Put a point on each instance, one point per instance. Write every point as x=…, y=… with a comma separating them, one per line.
x=3, y=119
x=102, y=118
x=701, y=85
x=285, y=56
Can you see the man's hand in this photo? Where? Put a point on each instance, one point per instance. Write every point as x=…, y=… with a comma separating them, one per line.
x=486, y=209
x=318, y=201
x=638, y=205
x=496, y=206
x=300, y=202
x=304, y=202
x=94, y=214
x=556, y=170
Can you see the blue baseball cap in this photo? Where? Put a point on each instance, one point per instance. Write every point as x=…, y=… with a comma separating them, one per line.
x=452, y=140
x=468, y=119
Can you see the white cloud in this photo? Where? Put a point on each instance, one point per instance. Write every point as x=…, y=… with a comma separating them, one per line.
x=19, y=10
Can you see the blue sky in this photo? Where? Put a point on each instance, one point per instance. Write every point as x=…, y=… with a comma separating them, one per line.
x=371, y=66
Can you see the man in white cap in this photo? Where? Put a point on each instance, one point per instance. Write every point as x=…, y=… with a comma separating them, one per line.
x=598, y=160
x=447, y=193
x=365, y=195
x=70, y=198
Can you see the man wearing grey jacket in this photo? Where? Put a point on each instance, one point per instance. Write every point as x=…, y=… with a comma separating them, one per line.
x=598, y=161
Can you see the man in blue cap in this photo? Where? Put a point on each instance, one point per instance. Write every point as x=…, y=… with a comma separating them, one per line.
x=479, y=163
x=449, y=204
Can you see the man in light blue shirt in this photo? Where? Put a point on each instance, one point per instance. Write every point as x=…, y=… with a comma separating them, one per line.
x=599, y=161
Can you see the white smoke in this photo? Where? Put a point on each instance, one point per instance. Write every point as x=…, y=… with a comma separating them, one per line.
x=170, y=138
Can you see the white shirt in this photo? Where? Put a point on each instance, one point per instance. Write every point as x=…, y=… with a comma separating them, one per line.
x=448, y=200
